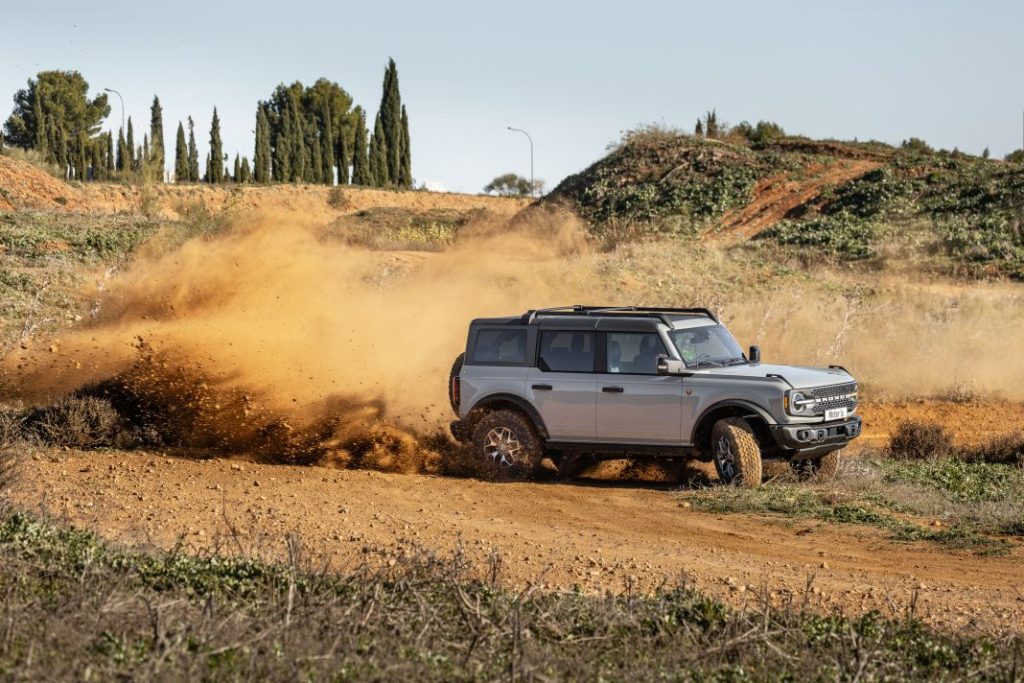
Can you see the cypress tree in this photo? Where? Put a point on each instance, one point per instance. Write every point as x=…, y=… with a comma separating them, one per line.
x=123, y=164
x=41, y=142
x=343, y=158
x=193, y=153
x=360, y=159
x=111, y=161
x=246, y=173
x=261, y=158
x=50, y=141
x=96, y=153
x=315, y=173
x=379, y=155
x=327, y=148
x=283, y=149
x=298, y=144
x=390, y=113
x=698, y=130
x=145, y=158
x=156, y=136
x=405, y=170
x=180, y=156
x=130, y=165
x=79, y=160
x=237, y=175
x=216, y=172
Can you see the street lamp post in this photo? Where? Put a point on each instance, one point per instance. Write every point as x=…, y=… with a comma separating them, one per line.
x=122, y=104
x=520, y=130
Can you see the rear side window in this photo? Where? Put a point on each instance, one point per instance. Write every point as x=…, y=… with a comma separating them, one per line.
x=566, y=352
x=500, y=347
x=634, y=353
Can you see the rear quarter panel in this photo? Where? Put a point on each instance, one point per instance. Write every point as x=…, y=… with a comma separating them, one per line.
x=481, y=381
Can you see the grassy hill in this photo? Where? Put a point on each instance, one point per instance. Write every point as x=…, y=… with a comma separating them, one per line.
x=849, y=201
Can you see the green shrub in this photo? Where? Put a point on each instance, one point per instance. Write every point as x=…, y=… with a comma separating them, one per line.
x=841, y=235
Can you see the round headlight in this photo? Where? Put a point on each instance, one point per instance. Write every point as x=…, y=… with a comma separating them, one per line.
x=799, y=404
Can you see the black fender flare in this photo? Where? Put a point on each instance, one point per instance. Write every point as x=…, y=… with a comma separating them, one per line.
x=729, y=403
x=518, y=402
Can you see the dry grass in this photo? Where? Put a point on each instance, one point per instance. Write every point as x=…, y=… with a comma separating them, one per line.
x=83, y=606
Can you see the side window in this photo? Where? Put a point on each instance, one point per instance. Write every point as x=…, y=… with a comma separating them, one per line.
x=500, y=347
x=634, y=353
x=566, y=352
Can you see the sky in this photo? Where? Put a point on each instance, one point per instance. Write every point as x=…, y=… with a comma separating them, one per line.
x=573, y=74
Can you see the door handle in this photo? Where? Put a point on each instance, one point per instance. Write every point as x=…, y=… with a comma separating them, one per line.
x=612, y=390
x=542, y=387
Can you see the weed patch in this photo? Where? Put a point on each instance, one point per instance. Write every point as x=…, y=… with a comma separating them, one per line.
x=82, y=605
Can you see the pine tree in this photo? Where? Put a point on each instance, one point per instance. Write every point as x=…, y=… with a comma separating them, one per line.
x=156, y=137
x=180, y=156
x=261, y=158
x=343, y=158
x=216, y=151
x=237, y=175
x=130, y=165
x=390, y=114
x=405, y=169
x=327, y=147
x=360, y=160
x=193, y=153
x=123, y=163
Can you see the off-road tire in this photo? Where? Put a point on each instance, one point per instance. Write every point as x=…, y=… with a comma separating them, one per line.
x=516, y=432
x=456, y=369
x=822, y=468
x=740, y=463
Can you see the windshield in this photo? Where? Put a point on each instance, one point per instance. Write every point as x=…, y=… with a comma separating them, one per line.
x=708, y=345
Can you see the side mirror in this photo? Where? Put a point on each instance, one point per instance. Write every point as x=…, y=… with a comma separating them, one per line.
x=669, y=366
x=755, y=354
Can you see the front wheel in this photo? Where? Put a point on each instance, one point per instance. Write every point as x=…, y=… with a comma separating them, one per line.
x=506, y=445
x=736, y=453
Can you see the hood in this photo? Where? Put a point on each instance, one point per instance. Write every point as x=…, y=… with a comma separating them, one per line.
x=800, y=376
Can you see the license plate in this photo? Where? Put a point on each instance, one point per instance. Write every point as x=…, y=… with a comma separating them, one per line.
x=835, y=414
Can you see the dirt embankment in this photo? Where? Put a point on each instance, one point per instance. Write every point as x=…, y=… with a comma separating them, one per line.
x=23, y=186
x=775, y=197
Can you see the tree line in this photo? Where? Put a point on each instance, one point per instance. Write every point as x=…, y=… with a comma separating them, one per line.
x=307, y=134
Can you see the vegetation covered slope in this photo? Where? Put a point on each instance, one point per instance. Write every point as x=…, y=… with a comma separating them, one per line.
x=847, y=200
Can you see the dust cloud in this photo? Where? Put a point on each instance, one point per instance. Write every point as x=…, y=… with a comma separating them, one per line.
x=270, y=337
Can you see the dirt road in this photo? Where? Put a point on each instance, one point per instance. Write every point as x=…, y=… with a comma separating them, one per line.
x=595, y=536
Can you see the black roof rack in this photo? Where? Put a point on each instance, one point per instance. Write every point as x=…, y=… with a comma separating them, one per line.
x=639, y=311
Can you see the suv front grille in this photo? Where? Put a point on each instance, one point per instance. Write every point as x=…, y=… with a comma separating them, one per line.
x=834, y=396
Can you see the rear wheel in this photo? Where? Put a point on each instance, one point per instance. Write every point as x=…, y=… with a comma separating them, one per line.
x=506, y=445
x=824, y=467
x=736, y=453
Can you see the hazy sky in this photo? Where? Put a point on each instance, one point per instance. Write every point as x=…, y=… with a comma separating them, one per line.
x=575, y=74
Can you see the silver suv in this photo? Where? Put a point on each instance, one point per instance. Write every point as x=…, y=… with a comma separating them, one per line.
x=583, y=383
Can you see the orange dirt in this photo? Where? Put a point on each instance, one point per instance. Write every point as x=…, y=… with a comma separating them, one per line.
x=969, y=423
x=776, y=196
x=597, y=535
x=23, y=186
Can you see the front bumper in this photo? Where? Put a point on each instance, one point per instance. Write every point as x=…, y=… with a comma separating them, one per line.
x=812, y=439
